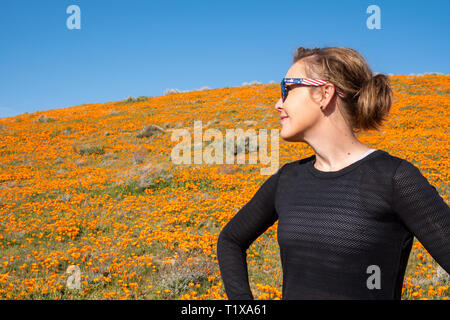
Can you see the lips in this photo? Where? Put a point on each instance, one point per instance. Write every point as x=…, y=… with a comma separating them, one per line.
x=283, y=117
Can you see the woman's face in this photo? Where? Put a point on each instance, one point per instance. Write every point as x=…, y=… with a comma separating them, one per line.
x=299, y=112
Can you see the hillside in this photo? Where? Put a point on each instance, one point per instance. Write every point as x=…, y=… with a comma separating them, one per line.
x=92, y=186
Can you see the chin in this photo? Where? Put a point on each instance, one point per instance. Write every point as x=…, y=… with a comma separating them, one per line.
x=290, y=137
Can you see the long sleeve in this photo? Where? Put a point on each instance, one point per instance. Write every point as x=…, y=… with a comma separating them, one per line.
x=239, y=233
x=423, y=211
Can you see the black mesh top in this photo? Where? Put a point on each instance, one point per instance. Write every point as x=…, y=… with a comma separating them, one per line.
x=333, y=227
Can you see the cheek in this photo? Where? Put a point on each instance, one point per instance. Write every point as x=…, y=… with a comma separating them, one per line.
x=301, y=116
x=300, y=112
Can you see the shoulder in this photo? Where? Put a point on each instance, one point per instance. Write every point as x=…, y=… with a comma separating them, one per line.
x=384, y=163
x=400, y=166
x=394, y=171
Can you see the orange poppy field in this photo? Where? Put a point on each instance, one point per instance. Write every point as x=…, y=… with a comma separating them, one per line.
x=92, y=188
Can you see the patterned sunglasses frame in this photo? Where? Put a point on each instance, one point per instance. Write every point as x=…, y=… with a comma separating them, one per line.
x=307, y=82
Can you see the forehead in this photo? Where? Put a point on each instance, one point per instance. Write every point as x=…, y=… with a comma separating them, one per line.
x=297, y=70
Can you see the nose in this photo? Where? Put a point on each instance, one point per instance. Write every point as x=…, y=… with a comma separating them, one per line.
x=279, y=105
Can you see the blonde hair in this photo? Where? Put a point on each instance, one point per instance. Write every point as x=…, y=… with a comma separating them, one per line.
x=368, y=97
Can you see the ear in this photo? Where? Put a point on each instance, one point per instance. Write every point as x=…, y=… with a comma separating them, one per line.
x=328, y=92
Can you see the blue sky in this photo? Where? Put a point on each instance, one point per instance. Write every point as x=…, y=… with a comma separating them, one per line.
x=141, y=48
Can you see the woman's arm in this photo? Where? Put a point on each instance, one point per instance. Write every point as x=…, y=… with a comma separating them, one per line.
x=423, y=211
x=240, y=232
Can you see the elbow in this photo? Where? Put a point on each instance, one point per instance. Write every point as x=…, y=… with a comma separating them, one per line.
x=222, y=240
x=226, y=242
x=224, y=235
x=221, y=246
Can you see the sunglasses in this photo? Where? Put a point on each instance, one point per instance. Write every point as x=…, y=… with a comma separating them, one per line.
x=304, y=81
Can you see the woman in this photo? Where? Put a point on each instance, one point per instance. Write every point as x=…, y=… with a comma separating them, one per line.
x=348, y=214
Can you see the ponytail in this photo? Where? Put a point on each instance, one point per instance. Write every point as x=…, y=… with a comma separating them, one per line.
x=374, y=101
